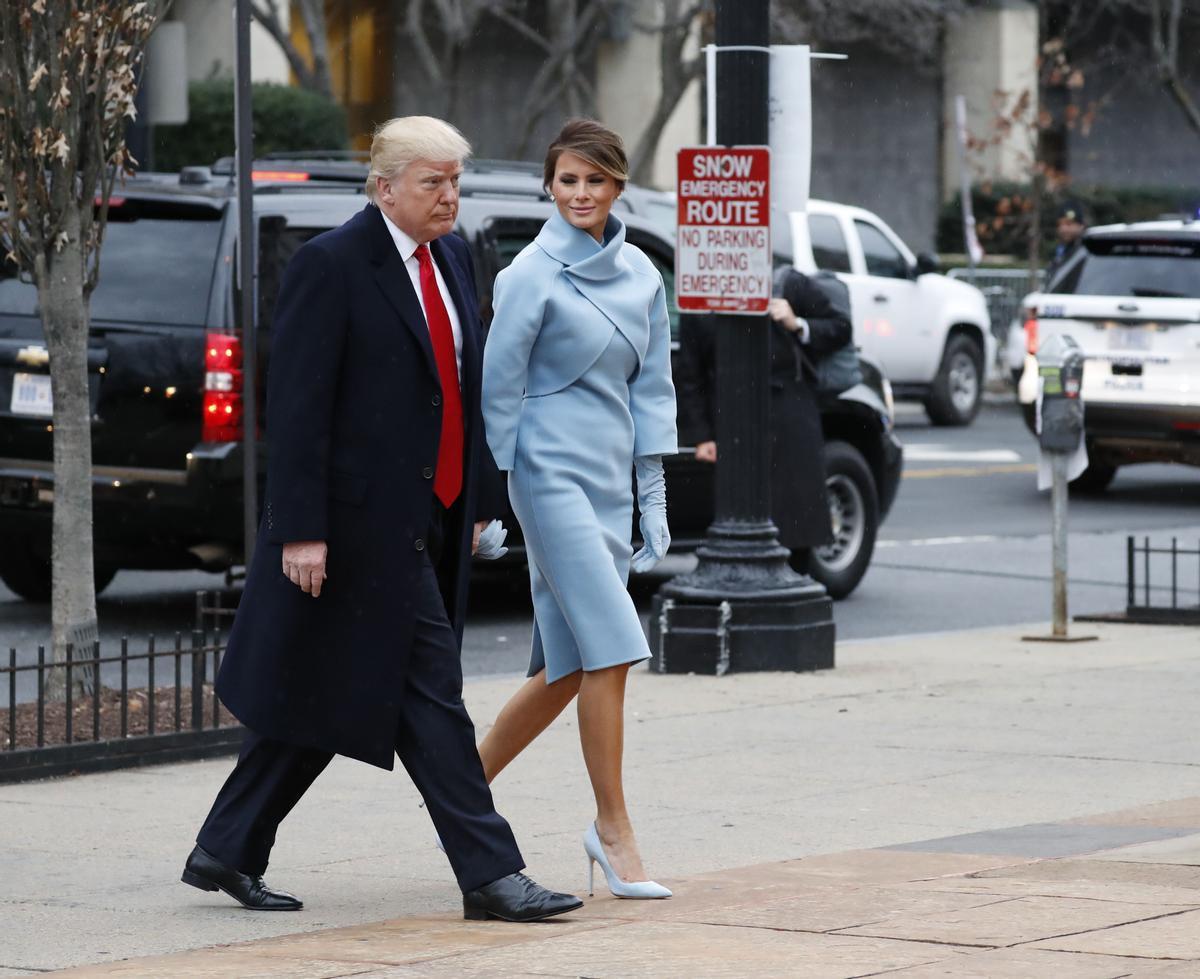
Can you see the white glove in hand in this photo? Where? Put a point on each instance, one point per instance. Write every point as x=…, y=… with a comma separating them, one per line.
x=652, y=501
x=491, y=542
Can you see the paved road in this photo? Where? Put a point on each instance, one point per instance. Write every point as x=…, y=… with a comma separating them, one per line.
x=966, y=545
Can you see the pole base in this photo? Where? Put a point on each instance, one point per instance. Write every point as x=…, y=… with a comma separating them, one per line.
x=1058, y=638
x=739, y=636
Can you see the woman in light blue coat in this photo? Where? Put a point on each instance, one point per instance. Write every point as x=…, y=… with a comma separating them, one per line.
x=577, y=394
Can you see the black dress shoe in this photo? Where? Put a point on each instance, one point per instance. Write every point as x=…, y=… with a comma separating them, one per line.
x=206, y=872
x=516, y=898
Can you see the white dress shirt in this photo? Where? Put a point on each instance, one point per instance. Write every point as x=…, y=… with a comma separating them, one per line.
x=407, y=248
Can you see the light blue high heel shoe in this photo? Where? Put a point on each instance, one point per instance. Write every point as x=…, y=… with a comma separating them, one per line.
x=644, y=890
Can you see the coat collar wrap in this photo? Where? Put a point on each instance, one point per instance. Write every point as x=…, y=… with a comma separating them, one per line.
x=593, y=269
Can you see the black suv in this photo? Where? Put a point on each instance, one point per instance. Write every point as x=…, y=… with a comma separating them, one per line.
x=164, y=345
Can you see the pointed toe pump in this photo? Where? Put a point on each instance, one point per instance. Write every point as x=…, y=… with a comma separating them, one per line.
x=643, y=890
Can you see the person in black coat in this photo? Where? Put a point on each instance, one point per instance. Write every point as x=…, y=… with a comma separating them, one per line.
x=805, y=324
x=347, y=639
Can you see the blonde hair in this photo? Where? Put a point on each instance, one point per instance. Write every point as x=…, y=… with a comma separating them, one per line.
x=399, y=142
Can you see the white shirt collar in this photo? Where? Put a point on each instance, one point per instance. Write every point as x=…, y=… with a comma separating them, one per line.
x=406, y=246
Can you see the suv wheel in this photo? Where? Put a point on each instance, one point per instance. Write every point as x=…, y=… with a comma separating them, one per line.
x=854, y=512
x=28, y=575
x=1094, y=479
x=958, y=388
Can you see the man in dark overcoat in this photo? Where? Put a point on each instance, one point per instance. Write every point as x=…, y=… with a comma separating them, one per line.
x=805, y=325
x=347, y=639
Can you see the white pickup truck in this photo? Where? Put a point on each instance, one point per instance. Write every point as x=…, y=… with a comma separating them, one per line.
x=931, y=333
x=1131, y=299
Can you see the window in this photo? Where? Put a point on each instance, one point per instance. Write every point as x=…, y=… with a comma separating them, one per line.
x=1135, y=272
x=828, y=243
x=509, y=247
x=152, y=270
x=883, y=258
x=667, y=269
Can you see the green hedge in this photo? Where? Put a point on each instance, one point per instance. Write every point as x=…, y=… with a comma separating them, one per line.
x=285, y=119
x=1105, y=205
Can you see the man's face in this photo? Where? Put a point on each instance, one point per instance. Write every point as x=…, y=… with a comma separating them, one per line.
x=1069, y=230
x=422, y=200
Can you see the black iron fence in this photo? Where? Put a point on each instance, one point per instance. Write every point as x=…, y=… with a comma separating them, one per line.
x=94, y=711
x=1155, y=574
x=215, y=610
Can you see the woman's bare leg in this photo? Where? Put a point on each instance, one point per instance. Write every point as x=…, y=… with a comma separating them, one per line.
x=526, y=715
x=602, y=735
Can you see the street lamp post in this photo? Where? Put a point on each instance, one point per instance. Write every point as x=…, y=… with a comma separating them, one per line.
x=244, y=129
x=743, y=608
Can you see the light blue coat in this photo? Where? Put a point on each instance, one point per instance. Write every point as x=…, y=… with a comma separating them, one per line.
x=576, y=384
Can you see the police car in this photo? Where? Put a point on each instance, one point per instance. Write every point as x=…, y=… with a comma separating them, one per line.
x=1131, y=299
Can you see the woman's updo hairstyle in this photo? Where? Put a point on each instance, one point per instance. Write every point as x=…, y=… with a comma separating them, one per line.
x=591, y=141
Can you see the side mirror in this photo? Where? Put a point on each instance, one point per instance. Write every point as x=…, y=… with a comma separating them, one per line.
x=927, y=262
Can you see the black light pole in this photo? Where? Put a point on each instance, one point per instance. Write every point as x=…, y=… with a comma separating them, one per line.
x=743, y=608
x=243, y=124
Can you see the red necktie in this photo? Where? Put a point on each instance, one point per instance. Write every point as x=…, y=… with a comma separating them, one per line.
x=447, y=483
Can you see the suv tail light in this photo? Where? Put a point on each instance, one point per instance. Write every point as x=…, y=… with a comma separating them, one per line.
x=222, y=388
x=1031, y=331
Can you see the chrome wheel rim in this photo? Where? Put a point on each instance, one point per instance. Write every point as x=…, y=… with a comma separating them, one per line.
x=847, y=512
x=963, y=382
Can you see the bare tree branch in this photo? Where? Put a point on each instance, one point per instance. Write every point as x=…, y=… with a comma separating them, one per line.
x=313, y=74
x=1164, y=42
x=676, y=73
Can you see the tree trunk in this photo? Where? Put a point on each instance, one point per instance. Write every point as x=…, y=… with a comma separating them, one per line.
x=313, y=12
x=647, y=145
x=65, y=323
x=1035, y=232
x=676, y=73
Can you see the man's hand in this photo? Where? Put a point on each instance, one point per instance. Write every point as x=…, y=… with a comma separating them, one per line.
x=707, y=451
x=304, y=565
x=781, y=312
x=479, y=525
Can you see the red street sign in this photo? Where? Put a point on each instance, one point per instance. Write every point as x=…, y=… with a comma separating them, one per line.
x=723, y=252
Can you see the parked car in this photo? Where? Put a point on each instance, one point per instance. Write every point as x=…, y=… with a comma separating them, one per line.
x=165, y=356
x=1131, y=299
x=932, y=334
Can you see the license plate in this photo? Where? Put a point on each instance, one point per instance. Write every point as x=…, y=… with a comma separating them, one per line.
x=1130, y=338
x=31, y=395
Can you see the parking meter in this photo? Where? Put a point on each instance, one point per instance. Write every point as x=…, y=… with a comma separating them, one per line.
x=1060, y=369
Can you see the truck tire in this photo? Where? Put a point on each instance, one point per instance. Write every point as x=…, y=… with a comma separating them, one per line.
x=854, y=510
x=28, y=575
x=958, y=388
x=1094, y=480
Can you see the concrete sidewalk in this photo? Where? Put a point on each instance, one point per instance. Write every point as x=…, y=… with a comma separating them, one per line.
x=974, y=905
x=927, y=738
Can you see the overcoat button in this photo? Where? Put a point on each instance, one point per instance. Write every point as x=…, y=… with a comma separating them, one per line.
x=437, y=400
x=427, y=473
x=419, y=544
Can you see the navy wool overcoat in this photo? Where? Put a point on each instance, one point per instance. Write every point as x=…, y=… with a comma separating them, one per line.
x=353, y=419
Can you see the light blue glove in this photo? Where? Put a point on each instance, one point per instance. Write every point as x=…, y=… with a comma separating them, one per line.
x=652, y=501
x=491, y=542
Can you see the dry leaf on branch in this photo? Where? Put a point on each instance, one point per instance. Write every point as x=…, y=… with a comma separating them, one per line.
x=38, y=74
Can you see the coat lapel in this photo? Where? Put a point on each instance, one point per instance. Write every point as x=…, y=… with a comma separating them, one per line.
x=600, y=274
x=392, y=277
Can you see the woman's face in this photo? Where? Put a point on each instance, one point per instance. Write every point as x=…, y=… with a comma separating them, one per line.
x=584, y=194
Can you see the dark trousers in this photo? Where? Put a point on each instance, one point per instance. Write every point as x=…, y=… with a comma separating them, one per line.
x=435, y=741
